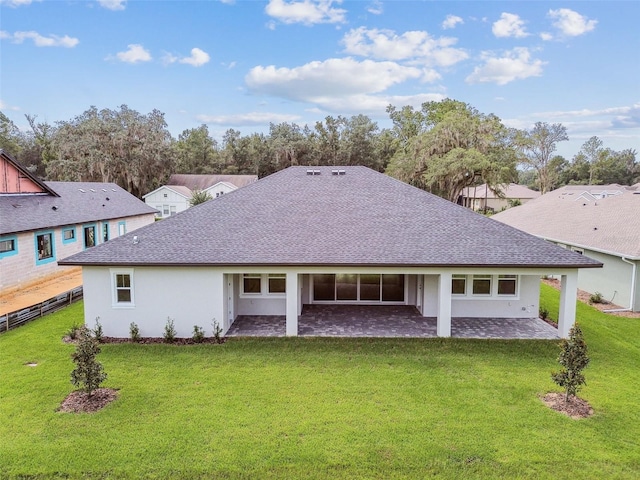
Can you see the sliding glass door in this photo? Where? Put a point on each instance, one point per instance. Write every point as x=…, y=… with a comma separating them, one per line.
x=358, y=288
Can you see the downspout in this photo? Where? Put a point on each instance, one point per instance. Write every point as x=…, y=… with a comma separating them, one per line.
x=633, y=289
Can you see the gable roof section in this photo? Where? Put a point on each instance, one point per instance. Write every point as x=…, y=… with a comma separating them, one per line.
x=78, y=202
x=511, y=190
x=202, y=182
x=360, y=218
x=179, y=189
x=578, y=215
x=15, y=179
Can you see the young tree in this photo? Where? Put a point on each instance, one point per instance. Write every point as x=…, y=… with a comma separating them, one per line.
x=573, y=359
x=198, y=197
x=89, y=373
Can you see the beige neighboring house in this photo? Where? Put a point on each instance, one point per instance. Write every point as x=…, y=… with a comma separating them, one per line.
x=481, y=197
x=600, y=221
x=174, y=197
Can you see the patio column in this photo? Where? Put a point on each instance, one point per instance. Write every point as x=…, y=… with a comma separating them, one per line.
x=568, y=297
x=293, y=297
x=444, y=305
x=218, y=302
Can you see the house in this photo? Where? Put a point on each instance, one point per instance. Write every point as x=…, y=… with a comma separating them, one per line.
x=598, y=221
x=174, y=197
x=41, y=222
x=327, y=235
x=481, y=197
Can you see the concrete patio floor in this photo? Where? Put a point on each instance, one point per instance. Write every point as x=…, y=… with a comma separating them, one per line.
x=387, y=321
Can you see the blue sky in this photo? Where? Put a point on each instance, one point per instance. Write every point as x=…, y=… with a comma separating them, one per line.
x=243, y=64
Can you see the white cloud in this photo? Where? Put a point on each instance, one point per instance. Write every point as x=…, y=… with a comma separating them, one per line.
x=412, y=45
x=113, y=4
x=451, y=22
x=546, y=36
x=374, y=104
x=17, y=3
x=509, y=25
x=334, y=77
x=307, y=12
x=136, y=53
x=515, y=64
x=5, y=106
x=251, y=118
x=375, y=7
x=571, y=23
x=197, y=59
x=619, y=117
x=40, y=40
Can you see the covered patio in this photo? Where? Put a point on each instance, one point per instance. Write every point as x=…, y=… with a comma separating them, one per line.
x=399, y=321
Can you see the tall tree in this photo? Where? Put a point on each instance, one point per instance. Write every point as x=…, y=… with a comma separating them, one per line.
x=591, y=151
x=9, y=136
x=538, y=145
x=120, y=146
x=196, y=152
x=457, y=146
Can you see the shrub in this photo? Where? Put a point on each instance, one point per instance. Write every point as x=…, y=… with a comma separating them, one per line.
x=169, y=331
x=89, y=373
x=73, y=331
x=596, y=298
x=97, y=332
x=573, y=358
x=134, y=332
x=544, y=313
x=217, y=332
x=198, y=334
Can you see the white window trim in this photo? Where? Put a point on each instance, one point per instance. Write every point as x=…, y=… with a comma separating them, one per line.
x=114, y=289
x=264, y=286
x=466, y=285
x=469, y=295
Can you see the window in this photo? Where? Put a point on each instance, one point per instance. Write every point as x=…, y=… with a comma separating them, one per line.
x=165, y=210
x=105, y=232
x=89, y=236
x=507, y=284
x=393, y=288
x=277, y=283
x=68, y=235
x=166, y=195
x=459, y=285
x=8, y=246
x=122, y=284
x=172, y=210
x=370, y=288
x=44, y=247
x=324, y=287
x=251, y=283
x=482, y=284
x=122, y=228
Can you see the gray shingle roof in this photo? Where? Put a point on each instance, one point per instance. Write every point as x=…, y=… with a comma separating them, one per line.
x=573, y=215
x=78, y=202
x=510, y=190
x=359, y=218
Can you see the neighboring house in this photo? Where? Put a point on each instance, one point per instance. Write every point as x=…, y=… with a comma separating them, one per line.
x=321, y=236
x=41, y=222
x=175, y=196
x=481, y=198
x=599, y=221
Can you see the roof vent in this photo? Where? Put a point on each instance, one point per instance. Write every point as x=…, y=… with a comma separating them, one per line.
x=334, y=172
x=93, y=190
x=309, y=172
x=342, y=172
x=81, y=190
x=313, y=172
x=135, y=240
x=54, y=208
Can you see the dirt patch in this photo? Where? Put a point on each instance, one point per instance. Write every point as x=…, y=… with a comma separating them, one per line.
x=603, y=307
x=575, y=408
x=81, y=402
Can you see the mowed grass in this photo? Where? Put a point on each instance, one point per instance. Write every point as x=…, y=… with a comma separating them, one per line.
x=322, y=408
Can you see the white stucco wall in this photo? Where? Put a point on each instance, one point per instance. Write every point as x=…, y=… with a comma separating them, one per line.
x=220, y=189
x=22, y=268
x=524, y=305
x=189, y=296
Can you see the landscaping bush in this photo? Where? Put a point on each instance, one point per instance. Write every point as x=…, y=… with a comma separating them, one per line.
x=169, y=331
x=89, y=373
x=596, y=298
x=573, y=358
x=97, y=331
x=198, y=334
x=134, y=332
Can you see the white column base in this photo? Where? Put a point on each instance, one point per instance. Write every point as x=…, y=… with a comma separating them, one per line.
x=444, y=305
x=293, y=298
x=568, y=298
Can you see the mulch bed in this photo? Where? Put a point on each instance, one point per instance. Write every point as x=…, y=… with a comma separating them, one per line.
x=153, y=340
x=81, y=402
x=575, y=408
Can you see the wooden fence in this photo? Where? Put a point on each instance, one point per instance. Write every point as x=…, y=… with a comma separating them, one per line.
x=15, y=319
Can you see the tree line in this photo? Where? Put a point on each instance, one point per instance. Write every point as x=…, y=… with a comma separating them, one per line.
x=442, y=147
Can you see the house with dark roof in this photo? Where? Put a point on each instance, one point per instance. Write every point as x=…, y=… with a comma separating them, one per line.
x=303, y=238
x=175, y=196
x=483, y=198
x=599, y=221
x=41, y=222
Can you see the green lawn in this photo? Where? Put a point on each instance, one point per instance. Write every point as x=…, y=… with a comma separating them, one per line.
x=322, y=408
